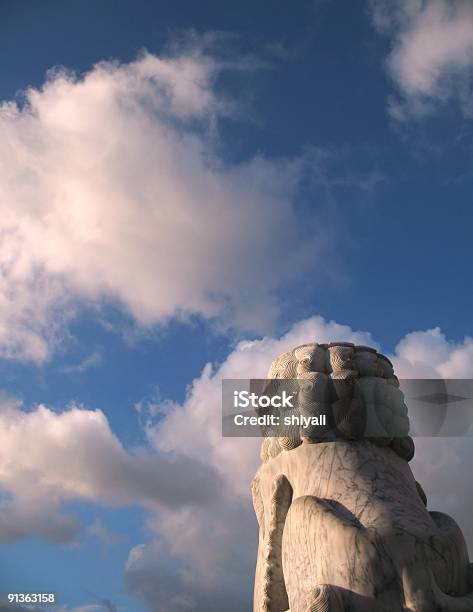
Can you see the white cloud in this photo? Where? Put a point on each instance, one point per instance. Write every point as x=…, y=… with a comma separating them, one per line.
x=428, y=354
x=114, y=188
x=431, y=59
x=105, y=535
x=48, y=458
x=91, y=361
x=441, y=465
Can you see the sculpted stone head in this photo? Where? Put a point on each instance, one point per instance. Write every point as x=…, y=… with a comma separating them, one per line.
x=354, y=386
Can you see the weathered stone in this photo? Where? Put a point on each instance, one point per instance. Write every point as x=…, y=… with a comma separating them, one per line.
x=343, y=525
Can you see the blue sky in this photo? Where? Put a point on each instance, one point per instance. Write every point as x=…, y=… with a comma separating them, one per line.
x=179, y=179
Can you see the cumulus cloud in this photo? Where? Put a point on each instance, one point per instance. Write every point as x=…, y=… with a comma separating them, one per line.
x=115, y=189
x=47, y=458
x=165, y=576
x=442, y=465
x=431, y=60
x=429, y=354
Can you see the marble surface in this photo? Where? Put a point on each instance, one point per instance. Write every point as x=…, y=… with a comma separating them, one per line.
x=344, y=525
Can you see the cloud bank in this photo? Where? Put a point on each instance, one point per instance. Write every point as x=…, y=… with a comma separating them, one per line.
x=431, y=60
x=194, y=484
x=115, y=189
x=49, y=458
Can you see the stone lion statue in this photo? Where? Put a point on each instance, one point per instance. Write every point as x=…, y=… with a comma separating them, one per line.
x=343, y=525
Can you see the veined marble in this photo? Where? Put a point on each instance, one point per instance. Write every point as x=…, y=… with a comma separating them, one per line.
x=343, y=525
